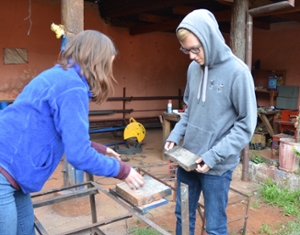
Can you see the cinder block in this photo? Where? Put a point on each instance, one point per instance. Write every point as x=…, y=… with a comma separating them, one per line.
x=288, y=91
x=259, y=138
x=287, y=103
x=153, y=190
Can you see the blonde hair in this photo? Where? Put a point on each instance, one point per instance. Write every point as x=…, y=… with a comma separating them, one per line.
x=94, y=53
x=182, y=34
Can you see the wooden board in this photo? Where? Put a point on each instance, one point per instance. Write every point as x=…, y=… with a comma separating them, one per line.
x=153, y=190
x=183, y=158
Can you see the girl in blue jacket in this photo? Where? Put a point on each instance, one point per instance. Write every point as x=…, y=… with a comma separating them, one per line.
x=50, y=118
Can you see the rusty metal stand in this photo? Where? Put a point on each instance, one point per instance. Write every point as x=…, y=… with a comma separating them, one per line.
x=242, y=199
x=90, y=188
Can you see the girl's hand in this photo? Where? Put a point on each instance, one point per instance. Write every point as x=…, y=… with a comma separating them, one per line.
x=112, y=153
x=134, y=179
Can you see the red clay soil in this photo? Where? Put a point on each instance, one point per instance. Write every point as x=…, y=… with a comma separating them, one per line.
x=270, y=215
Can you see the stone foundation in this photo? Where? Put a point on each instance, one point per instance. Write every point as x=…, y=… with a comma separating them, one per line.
x=260, y=172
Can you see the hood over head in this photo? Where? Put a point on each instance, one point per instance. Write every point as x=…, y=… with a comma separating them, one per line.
x=204, y=26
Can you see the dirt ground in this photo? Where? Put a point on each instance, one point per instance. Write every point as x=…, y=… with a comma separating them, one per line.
x=59, y=218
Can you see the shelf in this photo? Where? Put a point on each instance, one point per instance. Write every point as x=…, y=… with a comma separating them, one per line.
x=272, y=94
x=261, y=77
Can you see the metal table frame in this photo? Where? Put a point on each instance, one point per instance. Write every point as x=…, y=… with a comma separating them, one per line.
x=245, y=199
x=91, y=188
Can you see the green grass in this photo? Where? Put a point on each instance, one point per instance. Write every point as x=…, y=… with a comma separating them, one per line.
x=265, y=229
x=141, y=228
x=289, y=203
x=145, y=231
x=255, y=205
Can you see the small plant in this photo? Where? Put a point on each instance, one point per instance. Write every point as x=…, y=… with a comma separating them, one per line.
x=255, y=205
x=296, y=151
x=146, y=231
x=139, y=230
x=281, y=197
x=265, y=229
x=291, y=228
x=257, y=160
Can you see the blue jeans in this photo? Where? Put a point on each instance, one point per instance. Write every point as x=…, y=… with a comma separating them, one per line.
x=215, y=191
x=16, y=211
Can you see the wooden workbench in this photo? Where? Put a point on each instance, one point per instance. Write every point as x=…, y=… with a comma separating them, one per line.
x=167, y=118
x=268, y=121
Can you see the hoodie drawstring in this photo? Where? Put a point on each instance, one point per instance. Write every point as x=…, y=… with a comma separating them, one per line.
x=203, y=83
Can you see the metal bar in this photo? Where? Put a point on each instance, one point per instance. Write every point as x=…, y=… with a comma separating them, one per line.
x=39, y=227
x=33, y=195
x=95, y=225
x=90, y=177
x=245, y=217
x=111, y=111
x=152, y=224
x=235, y=230
x=247, y=214
x=147, y=173
x=124, y=103
x=71, y=195
x=113, y=192
x=131, y=98
x=238, y=218
x=101, y=130
x=185, y=219
x=92, y=187
x=142, y=217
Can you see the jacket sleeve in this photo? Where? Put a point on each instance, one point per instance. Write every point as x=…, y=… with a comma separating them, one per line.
x=71, y=117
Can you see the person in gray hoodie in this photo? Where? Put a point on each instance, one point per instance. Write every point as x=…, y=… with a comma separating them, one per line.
x=219, y=120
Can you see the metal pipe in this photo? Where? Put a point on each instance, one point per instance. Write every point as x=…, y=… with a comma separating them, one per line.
x=144, y=98
x=255, y=12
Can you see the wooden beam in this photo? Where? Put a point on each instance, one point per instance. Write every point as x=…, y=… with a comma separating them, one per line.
x=182, y=10
x=261, y=25
x=125, y=24
x=290, y=17
x=225, y=2
x=164, y=26
x=223, y=16
x=115, y=9
x=266, y=123
x=153, y=18
x=280, y=12
x=172, y=25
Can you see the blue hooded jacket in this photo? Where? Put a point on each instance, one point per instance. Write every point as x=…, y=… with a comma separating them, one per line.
x=50, y=118
x=221, y=115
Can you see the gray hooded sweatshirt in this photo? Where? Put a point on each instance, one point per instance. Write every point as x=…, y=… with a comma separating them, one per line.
x=222, y=113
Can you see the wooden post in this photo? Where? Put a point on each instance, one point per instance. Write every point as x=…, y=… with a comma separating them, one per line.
x=72, y=16
x=238, y=28
x=72, y=19
x=238, y=47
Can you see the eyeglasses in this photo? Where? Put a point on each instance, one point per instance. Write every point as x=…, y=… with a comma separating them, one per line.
x=194, y=50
